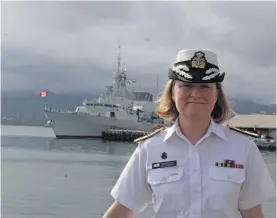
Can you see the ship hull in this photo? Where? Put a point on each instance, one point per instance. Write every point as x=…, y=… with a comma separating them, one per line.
x=74, y=125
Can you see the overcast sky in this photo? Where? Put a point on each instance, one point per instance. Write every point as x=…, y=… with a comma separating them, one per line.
x=72, y=46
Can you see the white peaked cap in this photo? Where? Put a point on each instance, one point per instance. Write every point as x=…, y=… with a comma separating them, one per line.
x=186, y=55
x=197, y=66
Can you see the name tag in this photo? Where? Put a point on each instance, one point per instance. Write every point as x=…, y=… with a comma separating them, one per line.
x=164, y=164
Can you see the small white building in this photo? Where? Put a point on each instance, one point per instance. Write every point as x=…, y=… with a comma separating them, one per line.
x=262, y=124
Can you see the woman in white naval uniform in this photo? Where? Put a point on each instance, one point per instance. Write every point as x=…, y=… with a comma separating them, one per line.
x=197, y=168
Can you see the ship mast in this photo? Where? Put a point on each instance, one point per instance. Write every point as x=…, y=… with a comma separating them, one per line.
x=118, y=58
x=120, y=89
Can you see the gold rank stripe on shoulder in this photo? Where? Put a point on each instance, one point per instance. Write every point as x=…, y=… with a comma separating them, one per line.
x=252, y=134
x=149, y=135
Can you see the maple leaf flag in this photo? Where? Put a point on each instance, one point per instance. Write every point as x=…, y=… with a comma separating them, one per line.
x=43, y=94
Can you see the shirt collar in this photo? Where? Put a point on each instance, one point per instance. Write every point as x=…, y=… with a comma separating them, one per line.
x=214, y=128
x=217, y=129
x=171, y=130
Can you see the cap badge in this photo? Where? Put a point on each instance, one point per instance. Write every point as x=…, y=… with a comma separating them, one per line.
x=198, y=60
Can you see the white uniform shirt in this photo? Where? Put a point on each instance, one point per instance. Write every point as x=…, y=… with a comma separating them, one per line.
x=195, y=187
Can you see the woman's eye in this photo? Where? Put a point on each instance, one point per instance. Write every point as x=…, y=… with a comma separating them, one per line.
x=186, y=85
x=204, y=87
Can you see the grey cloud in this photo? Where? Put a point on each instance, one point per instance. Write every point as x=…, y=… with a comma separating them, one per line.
x=70, y=16
x=73, y=44
x=38, y=72
x=254, y=32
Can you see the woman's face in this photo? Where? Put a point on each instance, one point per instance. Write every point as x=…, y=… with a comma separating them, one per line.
x=194, y=100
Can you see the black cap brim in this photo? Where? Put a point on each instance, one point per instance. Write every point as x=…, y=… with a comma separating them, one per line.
x=174, y=76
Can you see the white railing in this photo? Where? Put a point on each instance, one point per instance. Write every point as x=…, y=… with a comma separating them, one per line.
x=50, y=109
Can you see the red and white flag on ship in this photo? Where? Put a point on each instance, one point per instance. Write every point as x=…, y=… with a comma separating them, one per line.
x=43, y=94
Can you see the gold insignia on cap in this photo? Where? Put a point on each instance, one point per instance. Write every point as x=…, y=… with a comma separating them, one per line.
x=182, y=70
x=198, y=60
x=211, y=76
x=212, y=70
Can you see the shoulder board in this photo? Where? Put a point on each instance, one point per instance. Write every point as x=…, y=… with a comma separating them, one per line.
x=149, y=135
x=251, y=134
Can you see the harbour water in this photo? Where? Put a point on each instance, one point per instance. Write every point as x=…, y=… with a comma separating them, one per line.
x=44, y=177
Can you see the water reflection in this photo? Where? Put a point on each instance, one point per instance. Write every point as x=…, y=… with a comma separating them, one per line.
x=68, y=145
x=69, y=177
x=95, y=146
x=90, y=146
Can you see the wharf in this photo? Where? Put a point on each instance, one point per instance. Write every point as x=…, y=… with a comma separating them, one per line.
x=123, y=135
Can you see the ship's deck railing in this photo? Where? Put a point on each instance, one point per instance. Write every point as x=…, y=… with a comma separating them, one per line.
x=59, y=110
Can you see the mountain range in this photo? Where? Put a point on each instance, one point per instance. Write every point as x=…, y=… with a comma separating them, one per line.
x=26, y=108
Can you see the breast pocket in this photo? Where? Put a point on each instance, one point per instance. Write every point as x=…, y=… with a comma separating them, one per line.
x=167, y=185
x=225, y=174
x=164, y=175
x=225, y=185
